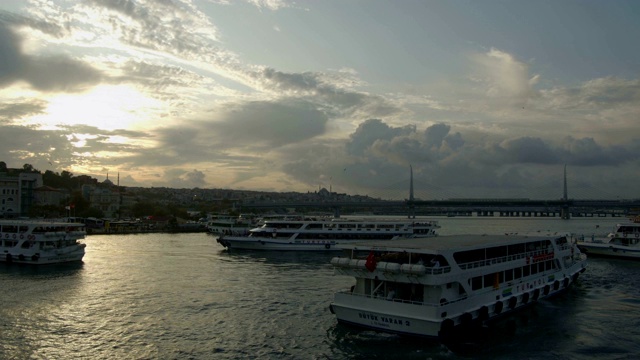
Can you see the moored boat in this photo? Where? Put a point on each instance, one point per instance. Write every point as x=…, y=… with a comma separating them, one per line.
x=622, y=242
x=434, y=287
x=324, y=234
x=229, y=224
x=41, y=242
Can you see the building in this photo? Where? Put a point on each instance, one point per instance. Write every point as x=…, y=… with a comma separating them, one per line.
x=17, y=194
x=109, y=198
x=46, y=195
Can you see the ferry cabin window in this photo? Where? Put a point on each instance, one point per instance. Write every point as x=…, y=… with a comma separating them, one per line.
x=508, y=275
x=476, y=283
x=561, y=241
x=10, y=229
x=516, y=249
x=496, y=252
x=626, y=229
x=490, y=279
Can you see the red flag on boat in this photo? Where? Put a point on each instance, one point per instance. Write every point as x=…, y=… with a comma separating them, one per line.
x=371, y=262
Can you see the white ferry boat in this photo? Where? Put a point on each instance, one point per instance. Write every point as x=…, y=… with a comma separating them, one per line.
x=623, y=242
x=325, y=234
x=41, y=242
x=229, y=224
x=435, y=287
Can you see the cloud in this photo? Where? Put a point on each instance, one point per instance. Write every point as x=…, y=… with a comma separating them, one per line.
x=504, y=77
x=260, y=125
x=269, y=4
x=12, y=112
x=185, y=180
x=371, y=131
x=44, y=73
x=527, y=150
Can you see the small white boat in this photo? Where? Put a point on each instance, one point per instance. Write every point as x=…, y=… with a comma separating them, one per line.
x=432, y=287
x=623, y=242
x=326, y=233
x=41, y=242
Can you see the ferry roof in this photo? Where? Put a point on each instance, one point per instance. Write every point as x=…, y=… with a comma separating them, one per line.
x=447, y=242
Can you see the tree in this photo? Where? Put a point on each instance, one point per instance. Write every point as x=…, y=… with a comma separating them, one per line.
x=79, y=203
x=92, y=212
x=29, y=168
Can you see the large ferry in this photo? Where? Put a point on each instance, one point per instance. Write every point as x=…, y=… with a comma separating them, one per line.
x=325, y=234
x=41, y=242
x=434, y=287
x=622, y=242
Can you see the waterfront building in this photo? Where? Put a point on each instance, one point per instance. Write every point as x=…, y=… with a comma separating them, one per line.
x=17, y=193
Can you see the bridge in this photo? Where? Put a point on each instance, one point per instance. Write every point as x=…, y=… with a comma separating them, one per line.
x=564, y=207
x=470, y=207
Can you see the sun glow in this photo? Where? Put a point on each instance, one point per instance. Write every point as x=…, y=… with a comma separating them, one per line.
x=105, y=107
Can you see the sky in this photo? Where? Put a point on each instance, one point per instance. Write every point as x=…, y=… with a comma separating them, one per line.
x=481, y=99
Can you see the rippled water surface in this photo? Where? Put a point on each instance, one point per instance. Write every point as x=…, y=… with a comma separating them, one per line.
x=180, y=296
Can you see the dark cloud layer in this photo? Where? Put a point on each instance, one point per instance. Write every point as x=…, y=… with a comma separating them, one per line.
x=261, y=124
x=53, y=73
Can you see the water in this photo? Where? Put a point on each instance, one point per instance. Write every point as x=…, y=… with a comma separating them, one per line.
x=181, y=296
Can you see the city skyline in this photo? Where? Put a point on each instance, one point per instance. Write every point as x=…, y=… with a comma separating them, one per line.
x=482, y=99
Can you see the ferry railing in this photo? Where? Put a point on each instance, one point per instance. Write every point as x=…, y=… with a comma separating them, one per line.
x=502, y=259
x=438, y=270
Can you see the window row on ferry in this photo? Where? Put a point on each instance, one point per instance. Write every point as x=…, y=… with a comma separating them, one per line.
x=487, y=256
x=495, y=279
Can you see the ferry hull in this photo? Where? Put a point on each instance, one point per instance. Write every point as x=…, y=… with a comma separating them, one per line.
x=606, y=250
x=365, y=313
x=43, y=258
x=267, y=244
x=426, y=321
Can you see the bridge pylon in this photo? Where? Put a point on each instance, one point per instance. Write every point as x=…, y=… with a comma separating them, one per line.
x=565, y=212
x=412, y=207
